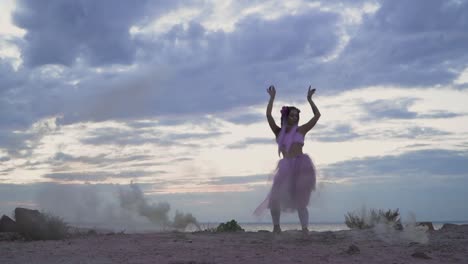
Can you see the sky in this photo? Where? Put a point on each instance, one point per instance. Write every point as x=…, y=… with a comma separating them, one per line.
x=167, y=99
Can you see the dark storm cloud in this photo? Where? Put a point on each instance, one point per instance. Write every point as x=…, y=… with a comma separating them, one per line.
x=417, y=146
x=238, y=179
x=41, y=93
x=13, y=114
x=288, y=37
x=396, y=109
x=5, y=172
x=20, y=143
x=337, y=133
x=179, y=72
x=148, y=164
x=432, y=162
x=181, y=159
x=106, y=136
x=345, y=133
x=142, y=124
x=14, y=111
x=400, y=109
x=251, y=141
x=185, y=136
x=58, y=32
x=419, y=43
x=92, y=176
x=112, y=136
x=346, y=3
x=441, y=114
x=8, y=77
x=229, y=69
x=413, y=132
x=61, y=157
x=197, y=119
x=246, y=119
x=13, y=142
x=191, y=71
x=399, y=44
x=98, y=176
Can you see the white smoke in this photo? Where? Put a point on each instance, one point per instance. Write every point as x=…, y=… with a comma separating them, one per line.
x=133, y=200
x=110, y=207
x=387, y=231
x=181, y=220
x=414, y=233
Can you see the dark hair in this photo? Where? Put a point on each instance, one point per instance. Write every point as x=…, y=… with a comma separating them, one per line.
x=285, y=112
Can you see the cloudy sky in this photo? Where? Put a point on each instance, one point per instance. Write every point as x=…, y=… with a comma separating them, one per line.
x=171, y=96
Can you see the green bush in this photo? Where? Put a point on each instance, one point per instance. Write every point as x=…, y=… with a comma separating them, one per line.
x=231, y=226
x=364, y=219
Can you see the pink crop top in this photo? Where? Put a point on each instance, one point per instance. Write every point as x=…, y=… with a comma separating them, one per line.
x=285, y=140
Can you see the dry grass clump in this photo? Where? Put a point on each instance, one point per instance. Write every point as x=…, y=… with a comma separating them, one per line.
x=230, y=226
x=45, y=227
x=369, y=219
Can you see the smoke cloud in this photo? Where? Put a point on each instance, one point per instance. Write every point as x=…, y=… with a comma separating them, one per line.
x=389, y=232
x=110, y=207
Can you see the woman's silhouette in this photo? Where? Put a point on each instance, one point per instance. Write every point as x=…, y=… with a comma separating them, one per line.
x=294, y=179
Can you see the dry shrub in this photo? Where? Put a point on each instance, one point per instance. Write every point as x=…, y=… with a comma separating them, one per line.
x=231, y=226
x=365, y=219
x=47, y=227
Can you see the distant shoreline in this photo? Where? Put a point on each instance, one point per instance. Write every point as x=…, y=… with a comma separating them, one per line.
x=247, y=226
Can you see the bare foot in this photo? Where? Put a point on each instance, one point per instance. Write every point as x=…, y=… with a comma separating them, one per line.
x=276, y=229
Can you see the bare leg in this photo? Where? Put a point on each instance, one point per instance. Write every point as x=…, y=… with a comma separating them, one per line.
x=275, y=216
x=304, y=218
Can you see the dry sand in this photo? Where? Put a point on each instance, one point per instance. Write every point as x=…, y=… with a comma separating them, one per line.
x=447, y=245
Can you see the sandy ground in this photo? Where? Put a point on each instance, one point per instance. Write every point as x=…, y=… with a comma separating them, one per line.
x=447, y=245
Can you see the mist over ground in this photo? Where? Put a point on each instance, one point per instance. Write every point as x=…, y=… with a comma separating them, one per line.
x=118, y=208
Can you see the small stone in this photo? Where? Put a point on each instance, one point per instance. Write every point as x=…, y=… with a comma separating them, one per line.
x=420, y=255
x=353, y=249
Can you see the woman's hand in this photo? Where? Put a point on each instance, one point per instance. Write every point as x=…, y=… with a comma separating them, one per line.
x=271, y=91
x=310, y=93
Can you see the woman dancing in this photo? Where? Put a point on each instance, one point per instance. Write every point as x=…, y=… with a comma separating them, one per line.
x=294, y=179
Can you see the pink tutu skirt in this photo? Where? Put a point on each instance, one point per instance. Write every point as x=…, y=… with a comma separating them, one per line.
x=293, y=183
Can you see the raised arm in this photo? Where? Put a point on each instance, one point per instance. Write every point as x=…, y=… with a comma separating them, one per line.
x=309, y=125
x=272, y=92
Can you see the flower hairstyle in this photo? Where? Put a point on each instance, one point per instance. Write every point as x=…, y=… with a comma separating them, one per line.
x=284, y=121
x=285, y=113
